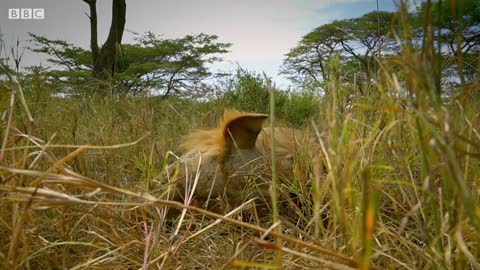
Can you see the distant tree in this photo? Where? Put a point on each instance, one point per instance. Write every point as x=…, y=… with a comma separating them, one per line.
x=357, y=39
x=309, y=59
x=168, y=66
x=449, y=30
x=372, y=33
x=457, y=32
x=92, y=4
x=171, y=66
x=104, y=66
x=73, y=64
x=457, y=23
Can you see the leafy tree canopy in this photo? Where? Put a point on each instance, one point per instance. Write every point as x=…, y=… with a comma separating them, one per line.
x=172, y=66
x=152, y=63
x=359, y=38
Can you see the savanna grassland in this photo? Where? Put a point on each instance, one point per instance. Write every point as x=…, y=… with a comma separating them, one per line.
x=80, y=174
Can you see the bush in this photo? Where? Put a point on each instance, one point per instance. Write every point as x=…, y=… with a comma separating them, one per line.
x=299, y=108
x=248, y=91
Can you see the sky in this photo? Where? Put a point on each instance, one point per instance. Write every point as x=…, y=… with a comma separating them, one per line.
x=261, y=31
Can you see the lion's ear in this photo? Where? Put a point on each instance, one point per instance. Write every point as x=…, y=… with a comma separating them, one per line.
x=241, y=130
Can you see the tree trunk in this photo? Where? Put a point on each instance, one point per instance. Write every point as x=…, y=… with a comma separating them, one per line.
x=93, y=29
x=104, y=66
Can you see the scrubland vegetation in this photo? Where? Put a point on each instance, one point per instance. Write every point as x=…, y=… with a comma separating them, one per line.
x=400, y=142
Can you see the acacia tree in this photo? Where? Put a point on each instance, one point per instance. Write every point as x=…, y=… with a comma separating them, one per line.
x=309, y=59
x=168, y=66
x=104, y=66
x=71, y=64
x=372, y=33
x=457, y=30
x=172, y=66
x=358, y=39
x=92, y=4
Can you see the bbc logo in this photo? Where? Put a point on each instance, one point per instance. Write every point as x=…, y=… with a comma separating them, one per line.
x=26, y=13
